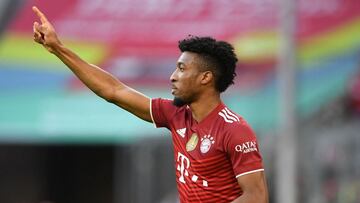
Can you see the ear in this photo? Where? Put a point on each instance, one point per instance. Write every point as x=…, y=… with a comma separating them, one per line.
x=207, y=77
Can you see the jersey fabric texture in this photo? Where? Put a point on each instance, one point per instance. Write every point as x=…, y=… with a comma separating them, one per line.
x=209, y=155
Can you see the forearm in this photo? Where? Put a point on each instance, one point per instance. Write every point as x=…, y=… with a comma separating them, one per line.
x=99, y=81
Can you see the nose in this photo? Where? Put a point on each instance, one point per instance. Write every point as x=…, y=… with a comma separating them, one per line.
x=173, y=77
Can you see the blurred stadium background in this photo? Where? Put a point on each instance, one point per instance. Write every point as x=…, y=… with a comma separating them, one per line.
x=60, y=143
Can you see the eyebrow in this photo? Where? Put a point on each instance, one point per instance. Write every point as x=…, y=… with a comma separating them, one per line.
x=180, y=63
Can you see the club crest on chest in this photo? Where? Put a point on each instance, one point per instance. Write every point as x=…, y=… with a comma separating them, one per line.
x=206, y=143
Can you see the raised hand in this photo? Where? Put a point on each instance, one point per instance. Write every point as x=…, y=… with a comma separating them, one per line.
x=99, y=81
x=44, y=33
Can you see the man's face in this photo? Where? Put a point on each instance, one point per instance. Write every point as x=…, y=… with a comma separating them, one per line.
x=186, y=79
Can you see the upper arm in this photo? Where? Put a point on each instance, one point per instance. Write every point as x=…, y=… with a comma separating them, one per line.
x=254, y=188
x=159, y=111
x=132, y=101
x=242, y=148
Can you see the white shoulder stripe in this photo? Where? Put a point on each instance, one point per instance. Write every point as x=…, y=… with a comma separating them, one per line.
x=254, y=171
x=228, y=116
x=231, y=113
x=225, y=118
x=151, y=115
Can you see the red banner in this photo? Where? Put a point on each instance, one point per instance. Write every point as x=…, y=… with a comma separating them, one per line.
x=157, y=25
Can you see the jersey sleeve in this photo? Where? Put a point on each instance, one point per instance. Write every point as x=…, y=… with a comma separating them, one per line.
x=242, y=147
x=162, y=111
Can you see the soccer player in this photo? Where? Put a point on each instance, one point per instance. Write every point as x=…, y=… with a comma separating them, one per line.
x=216, y=154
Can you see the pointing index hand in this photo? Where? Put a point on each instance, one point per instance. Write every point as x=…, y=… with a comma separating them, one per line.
x=44, y=33
x=42, y=17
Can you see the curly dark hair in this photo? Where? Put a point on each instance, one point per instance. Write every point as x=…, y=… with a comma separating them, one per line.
x=218, y=56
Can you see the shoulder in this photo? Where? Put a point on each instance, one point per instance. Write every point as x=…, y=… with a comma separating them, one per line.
x=163, y=105
x=234, y=126
x=166, y=107
x=163, y=112
x=228, y=116
x=232, y=122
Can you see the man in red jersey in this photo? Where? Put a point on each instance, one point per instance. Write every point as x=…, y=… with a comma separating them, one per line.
x=216, y=153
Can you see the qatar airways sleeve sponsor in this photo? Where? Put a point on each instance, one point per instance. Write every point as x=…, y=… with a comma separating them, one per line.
x=246, y=147
x=243, y=150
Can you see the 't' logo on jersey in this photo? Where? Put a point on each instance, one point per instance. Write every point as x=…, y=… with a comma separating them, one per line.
x=183, y=167
x=184, y=164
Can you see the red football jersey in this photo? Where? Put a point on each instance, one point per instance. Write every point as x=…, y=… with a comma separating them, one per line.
x=209, y=155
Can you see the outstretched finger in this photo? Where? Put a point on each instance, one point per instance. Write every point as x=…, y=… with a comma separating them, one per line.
x=38, y=38
x=42, y=17
x=36, y=27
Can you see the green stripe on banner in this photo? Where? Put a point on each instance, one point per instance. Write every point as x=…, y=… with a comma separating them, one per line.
x=16, y=47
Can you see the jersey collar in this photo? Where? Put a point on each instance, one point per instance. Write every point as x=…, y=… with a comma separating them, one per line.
x=210, y=117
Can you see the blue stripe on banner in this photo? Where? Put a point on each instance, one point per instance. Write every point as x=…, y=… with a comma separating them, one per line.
x=13, y=78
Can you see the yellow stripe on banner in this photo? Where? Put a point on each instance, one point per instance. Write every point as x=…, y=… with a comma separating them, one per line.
x=344, y=38
x=256, y=46
x=21, y=48
x=261, y=45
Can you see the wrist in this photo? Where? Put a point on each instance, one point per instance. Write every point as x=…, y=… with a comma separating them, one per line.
x=57, y=49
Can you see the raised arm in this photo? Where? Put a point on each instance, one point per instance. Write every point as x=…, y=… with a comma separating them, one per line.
x=99, y=81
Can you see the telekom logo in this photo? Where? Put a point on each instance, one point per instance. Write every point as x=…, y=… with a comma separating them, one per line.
x=183, y=165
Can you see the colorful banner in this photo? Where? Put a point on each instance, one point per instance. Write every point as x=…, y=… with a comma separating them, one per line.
x=136, y=40
x=153, y=27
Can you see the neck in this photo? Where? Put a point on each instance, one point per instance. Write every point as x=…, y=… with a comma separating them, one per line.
x=204, y=105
